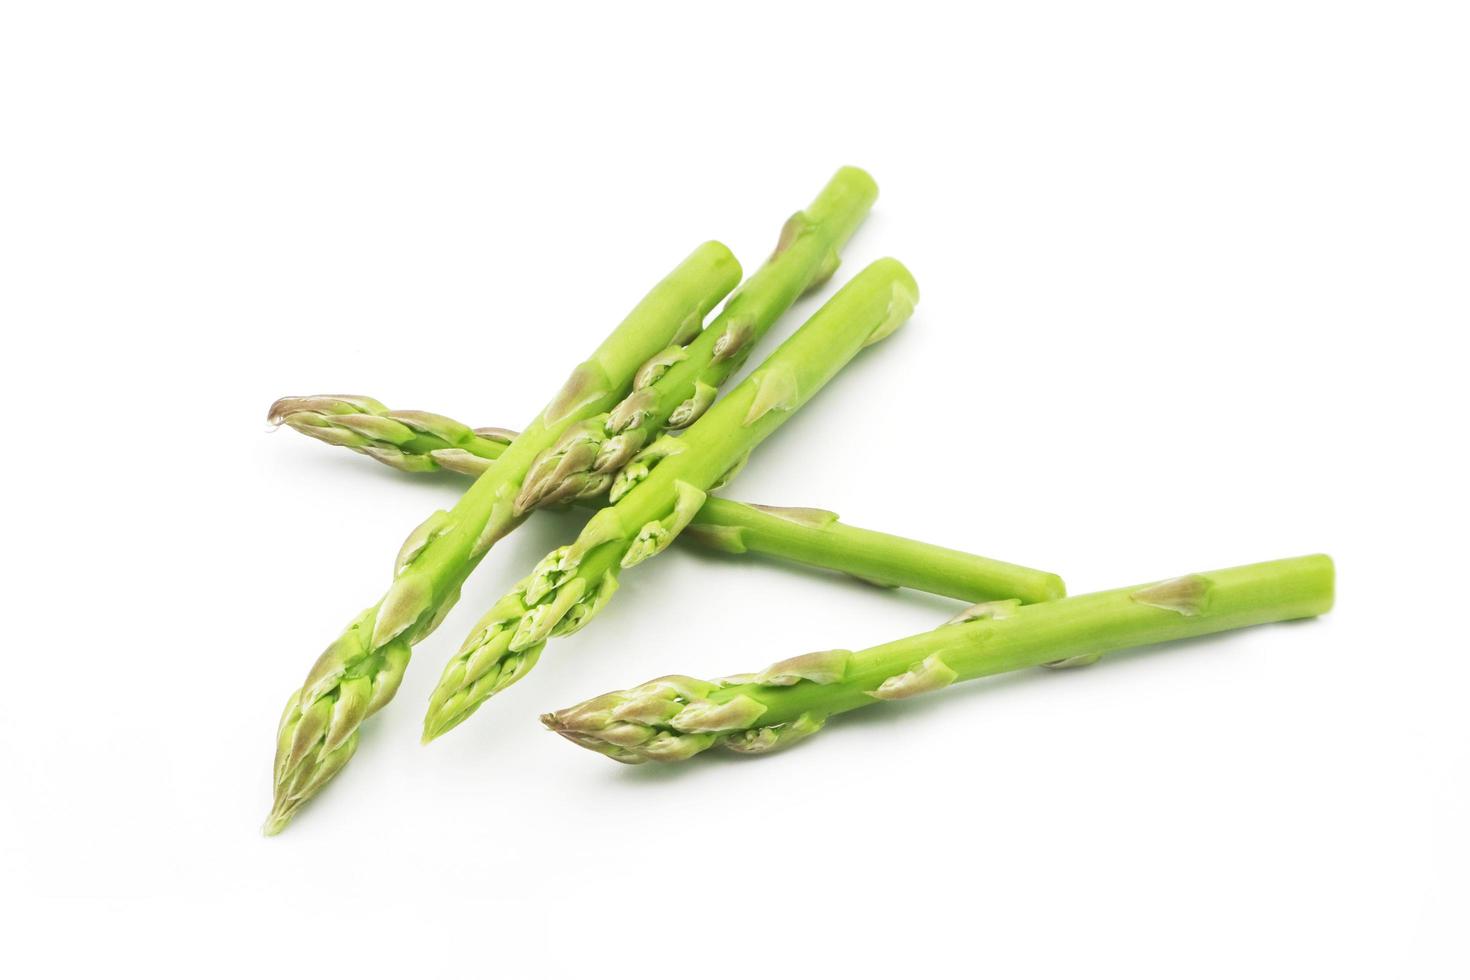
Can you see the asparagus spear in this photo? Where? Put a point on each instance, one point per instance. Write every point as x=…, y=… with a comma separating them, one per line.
x=675, y=388
x=661, y=491
x=414, y=442
x=361, y=670
x=424, y=442
x=673, y=718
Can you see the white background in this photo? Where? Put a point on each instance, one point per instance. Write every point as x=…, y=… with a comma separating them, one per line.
x=1194, y=294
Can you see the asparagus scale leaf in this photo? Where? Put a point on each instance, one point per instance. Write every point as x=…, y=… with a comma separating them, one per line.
x=673, y=718
x=678, y=385
x=361, y=670
x=414, y=442
x=662, y=491
x=423, y=442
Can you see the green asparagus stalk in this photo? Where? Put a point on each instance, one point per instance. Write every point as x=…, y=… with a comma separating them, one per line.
x=673, y=718
x=675, y=388
x=362, y=669
x=662, y=490
x=424, y=442
x=816, y=537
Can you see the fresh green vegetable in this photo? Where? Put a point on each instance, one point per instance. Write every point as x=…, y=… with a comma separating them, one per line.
x=677, y=387
x=661, y=491
x=361, y=670
x=817, y=537
x=424, y=442
x=414, y=442
x=673, y=718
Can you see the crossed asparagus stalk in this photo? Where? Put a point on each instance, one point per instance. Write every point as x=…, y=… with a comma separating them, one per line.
x=610, y=433
x=651, y=367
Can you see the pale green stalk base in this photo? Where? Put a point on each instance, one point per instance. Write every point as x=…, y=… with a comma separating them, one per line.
x=361, y=670
x=420, y=442
x=662, y=490
x=673, y=718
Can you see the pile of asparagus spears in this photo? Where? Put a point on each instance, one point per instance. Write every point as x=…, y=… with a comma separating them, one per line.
x=638, y=435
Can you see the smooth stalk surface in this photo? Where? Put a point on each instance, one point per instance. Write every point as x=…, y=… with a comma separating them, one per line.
x=816, y=537
x=672, y=718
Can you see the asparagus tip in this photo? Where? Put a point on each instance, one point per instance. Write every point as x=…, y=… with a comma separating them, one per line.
x=280, y=815
x=435, y=724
